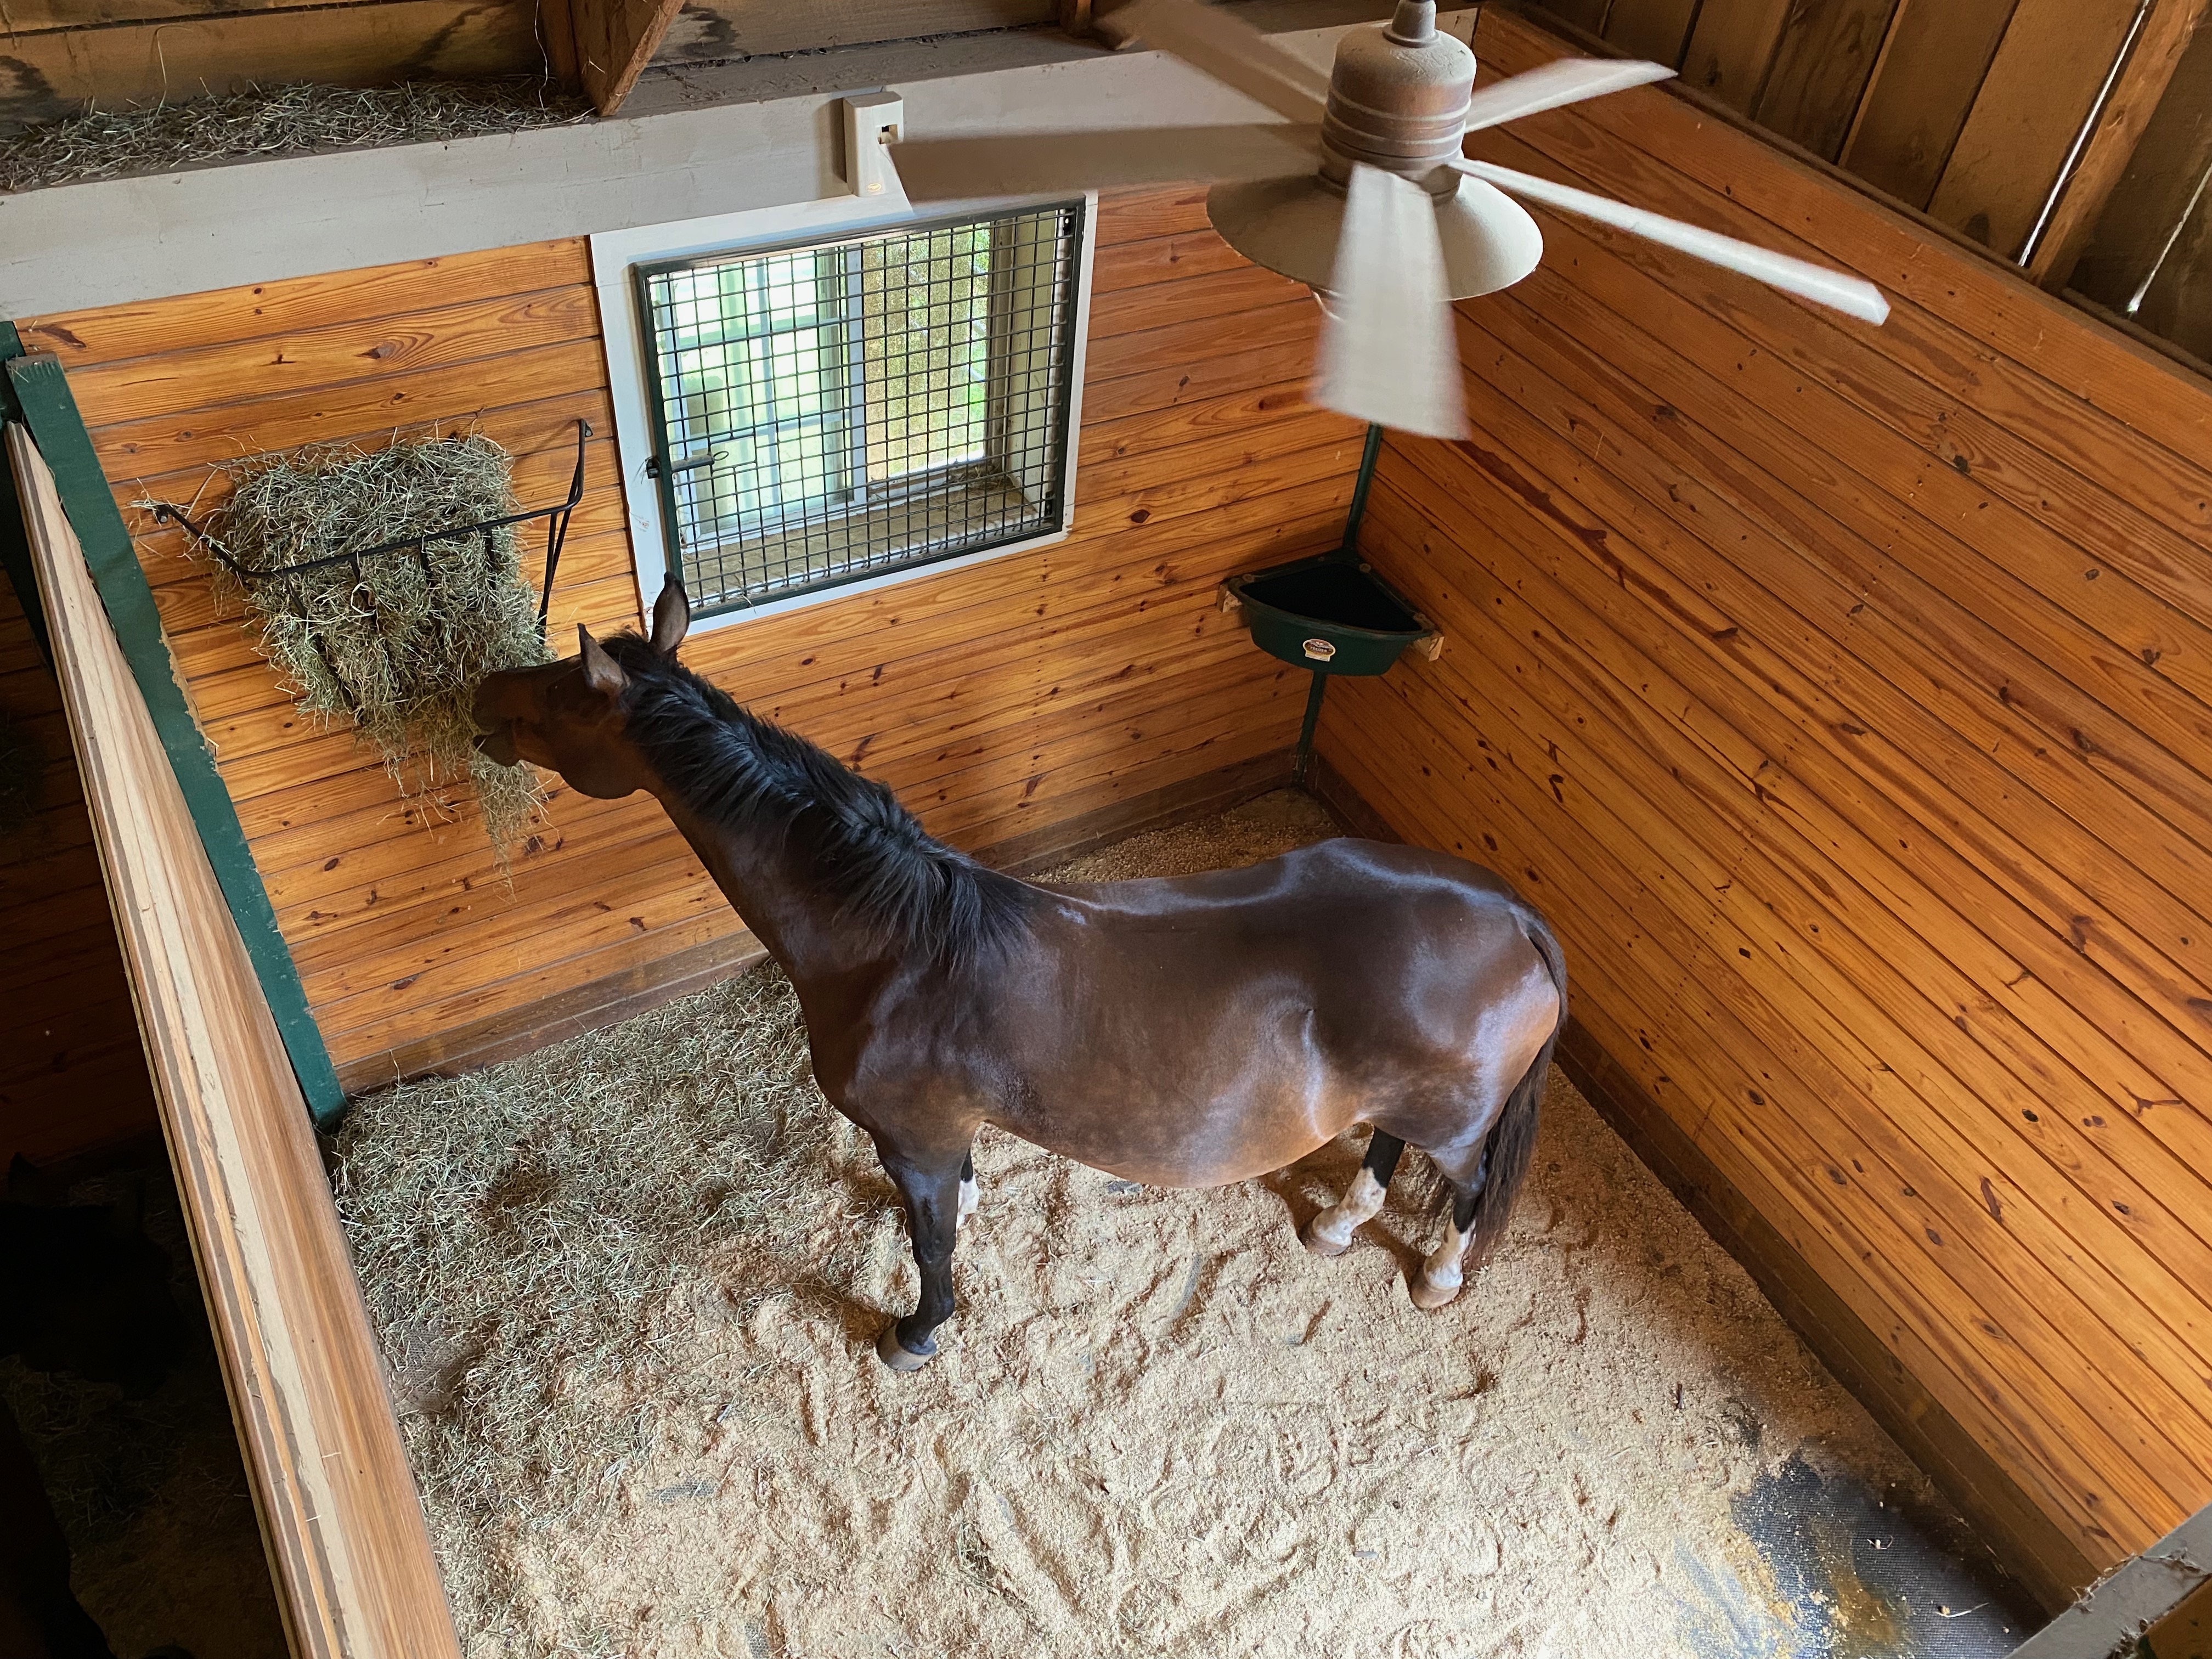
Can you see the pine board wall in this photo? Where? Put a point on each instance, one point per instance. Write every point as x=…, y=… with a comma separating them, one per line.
x=1844, y=697
x=1019, y=704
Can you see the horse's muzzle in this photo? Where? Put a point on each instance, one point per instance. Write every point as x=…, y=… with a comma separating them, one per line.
x=497, y=745
x=494, y=737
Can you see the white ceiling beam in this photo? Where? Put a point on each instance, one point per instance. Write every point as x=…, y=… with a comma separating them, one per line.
x=121, y=240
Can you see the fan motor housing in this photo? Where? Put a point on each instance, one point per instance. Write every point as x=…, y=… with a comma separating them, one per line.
x=1397, y=99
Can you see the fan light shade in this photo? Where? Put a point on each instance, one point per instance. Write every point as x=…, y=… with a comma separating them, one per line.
x=1291, y=226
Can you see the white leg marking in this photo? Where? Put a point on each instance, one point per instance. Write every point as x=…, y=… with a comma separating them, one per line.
x=1441, y=1273
x=969, y=1200
x=1333, y=1227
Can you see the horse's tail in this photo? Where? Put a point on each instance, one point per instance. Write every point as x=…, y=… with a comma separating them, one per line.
x=1513, y=1137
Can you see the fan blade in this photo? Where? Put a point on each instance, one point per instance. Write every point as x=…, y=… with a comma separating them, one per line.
x=1232, y=52
x=1021, y=164
x=1569, y=81
x=1849, y=295
x=1388, y=350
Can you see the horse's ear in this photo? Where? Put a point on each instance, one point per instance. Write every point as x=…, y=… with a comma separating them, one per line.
x=671, y=617
x=601, y=672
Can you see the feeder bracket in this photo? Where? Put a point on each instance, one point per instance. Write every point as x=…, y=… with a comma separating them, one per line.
x=556, y=534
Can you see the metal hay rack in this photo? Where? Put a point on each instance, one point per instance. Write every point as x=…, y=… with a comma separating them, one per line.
x=557, y=533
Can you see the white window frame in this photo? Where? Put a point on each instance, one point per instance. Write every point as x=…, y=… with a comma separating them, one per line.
x=615, y=254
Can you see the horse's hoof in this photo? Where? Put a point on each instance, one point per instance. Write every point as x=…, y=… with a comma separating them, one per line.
x=1309, y=1235
x=1429, y=1298
x=896, y=1355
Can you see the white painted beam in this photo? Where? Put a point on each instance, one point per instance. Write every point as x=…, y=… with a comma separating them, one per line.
x=122, y=241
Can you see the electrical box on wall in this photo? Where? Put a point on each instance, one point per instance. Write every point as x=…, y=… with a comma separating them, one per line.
x=871, y=127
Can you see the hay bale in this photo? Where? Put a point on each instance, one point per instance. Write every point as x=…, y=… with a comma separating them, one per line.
x=398, y=645
x=278, y=121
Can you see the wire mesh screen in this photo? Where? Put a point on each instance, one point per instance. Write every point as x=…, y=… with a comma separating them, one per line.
x=833, y=412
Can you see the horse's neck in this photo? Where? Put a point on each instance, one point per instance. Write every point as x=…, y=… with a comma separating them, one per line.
x=764, y=875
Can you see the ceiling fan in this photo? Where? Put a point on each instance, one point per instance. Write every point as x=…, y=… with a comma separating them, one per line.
x=1392, y=224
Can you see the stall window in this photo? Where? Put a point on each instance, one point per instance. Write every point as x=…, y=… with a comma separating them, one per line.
x=825, y=413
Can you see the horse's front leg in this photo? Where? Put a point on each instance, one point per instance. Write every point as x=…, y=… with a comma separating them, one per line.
x=929, y=1186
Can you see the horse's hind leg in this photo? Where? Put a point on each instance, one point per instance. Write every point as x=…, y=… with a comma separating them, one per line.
x=1330, y=1232
x=931, y=1189
x=1441, y=1271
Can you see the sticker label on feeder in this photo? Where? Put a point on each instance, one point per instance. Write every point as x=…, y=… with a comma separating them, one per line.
x=1320, y=650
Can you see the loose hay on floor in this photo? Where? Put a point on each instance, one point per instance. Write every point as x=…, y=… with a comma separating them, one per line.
x=629, y=1287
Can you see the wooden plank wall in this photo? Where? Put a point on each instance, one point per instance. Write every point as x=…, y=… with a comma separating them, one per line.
x=2150, y=255
x=57, y=54
x=1013, y=703
x=1844, y=697
x=72, y=1076
x=347, y=1546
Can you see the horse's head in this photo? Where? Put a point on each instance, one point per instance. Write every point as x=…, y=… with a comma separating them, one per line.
x=83, y=1289
x=567, y=716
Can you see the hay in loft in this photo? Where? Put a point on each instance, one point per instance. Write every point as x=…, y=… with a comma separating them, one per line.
x=397, y=643
x=286, y=120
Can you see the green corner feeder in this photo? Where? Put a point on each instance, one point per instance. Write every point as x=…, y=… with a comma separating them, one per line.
x=1330, y=614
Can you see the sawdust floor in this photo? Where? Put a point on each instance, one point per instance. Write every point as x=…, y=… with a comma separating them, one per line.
x=630, y=1307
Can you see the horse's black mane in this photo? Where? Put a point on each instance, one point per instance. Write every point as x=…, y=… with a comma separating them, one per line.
x=886, y=872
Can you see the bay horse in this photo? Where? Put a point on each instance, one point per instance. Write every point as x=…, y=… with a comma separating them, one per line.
x=1190, y=1032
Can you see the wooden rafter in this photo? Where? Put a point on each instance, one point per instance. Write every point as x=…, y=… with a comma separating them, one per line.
x=1094, y=17
x=1934, y=60
x=615, y=39
x=2143, y=81
x=1731, y=47
x=556, y=38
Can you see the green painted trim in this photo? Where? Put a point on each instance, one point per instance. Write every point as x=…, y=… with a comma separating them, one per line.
x=41, y=391
x=14, y=539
